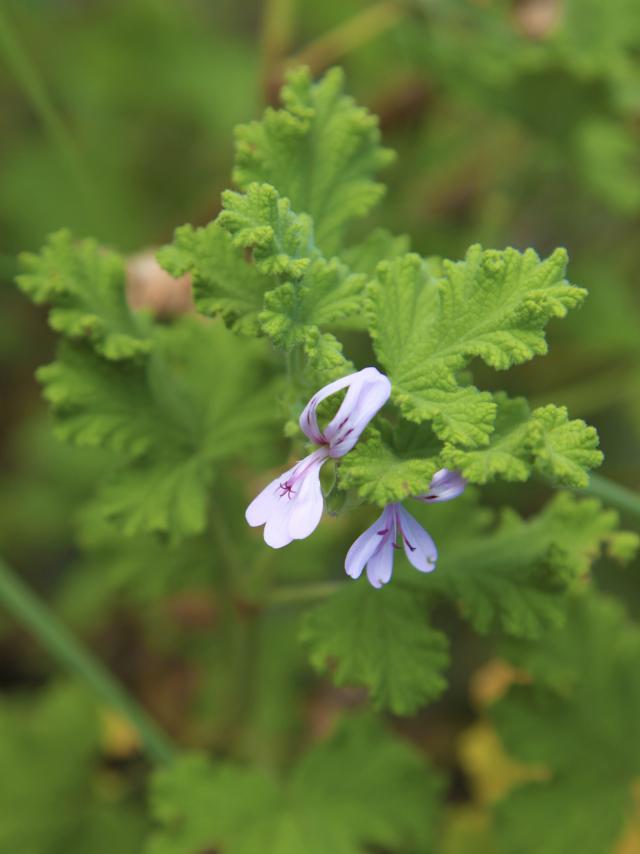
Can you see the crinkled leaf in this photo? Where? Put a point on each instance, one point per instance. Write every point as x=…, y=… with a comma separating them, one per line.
x=523, y=442
x=321, y=152
x=380, y=639
x=263, y=221
x=169, y=420
x=564, y=450
x=493, y=305
x=570, y=720
x=517, y=578
x=85, y=286
x=392, y=469
x=362, y=787
x=223, y=282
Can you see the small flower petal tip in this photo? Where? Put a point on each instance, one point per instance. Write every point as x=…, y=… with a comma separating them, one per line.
x=290, y=507
x=445, y=485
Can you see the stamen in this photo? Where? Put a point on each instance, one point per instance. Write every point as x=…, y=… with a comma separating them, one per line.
x=287, y=489
x=413, y=548
x=382, y=532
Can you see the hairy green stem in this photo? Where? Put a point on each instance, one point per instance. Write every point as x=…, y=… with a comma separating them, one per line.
x=62, y=644
x=612, y=493
x=29, y=80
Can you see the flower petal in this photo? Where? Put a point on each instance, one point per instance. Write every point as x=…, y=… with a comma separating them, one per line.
x=419, y=548
x=445, y=485
x=267, y=502
x=380, y=565
x=308, y=504
x=368, y=392
x=364, y=547
x=276, y=531
x=308, y=419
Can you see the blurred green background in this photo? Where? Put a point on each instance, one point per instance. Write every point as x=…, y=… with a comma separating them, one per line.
x=517, y=122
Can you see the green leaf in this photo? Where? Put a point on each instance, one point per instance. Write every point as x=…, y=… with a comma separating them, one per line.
x=379, y=639
x=524, y=442
x=363, y=787
x=516, y=579
x=493, y=305
x=386, y=471
x=570, y=721
x=261, y=220
x=328, y=295
x=169, y=423
x=223, y=282
x=564, y=450
x=85, y=286
x=51, y=796
x=321, y=152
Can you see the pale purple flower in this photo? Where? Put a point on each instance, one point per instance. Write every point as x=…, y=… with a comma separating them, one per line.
x=290, y=507
x=374, y=549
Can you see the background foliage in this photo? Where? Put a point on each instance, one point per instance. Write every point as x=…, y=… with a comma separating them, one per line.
x=494, y=709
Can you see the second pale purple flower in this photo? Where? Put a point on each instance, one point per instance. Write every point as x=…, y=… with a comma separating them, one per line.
x=374, y=549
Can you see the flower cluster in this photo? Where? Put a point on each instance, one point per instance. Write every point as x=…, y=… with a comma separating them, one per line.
x=290, y=507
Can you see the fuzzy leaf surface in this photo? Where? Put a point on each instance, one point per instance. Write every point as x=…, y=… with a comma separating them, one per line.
x=517, y=578
x=223, y=282
x=524, y=442
x=426, y=329
x=85, y=286
x=321, y=151
x=379, y=639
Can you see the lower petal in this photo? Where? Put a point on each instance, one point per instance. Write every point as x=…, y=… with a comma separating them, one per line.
x=419, y=548
x=266, y=503
x=307, y=506
x=363, y=548
x=380, y=565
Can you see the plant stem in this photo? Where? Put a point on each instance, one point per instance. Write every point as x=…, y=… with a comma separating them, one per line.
x=295, y=593
x=612, y=493
x=62, y=644
x=277, y=30
x=29, y=80
x=349, y=36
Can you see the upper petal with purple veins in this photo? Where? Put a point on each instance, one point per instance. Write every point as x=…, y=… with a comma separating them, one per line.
x=368, y=390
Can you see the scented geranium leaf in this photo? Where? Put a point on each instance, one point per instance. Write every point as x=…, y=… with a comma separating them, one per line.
x=171, y=420
x=379, y=639
x=523, y=442
x=100, y=404
x=564, y=450
x=51, y=797
x=363, y=787
x=222, y=280
x=85, y=286
x=581, y=720
x=325, y=359
x=516, y=579
x=493, y=305
x=327, y=295
x=321, y=152
x=281, y=241
x=386, y=470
